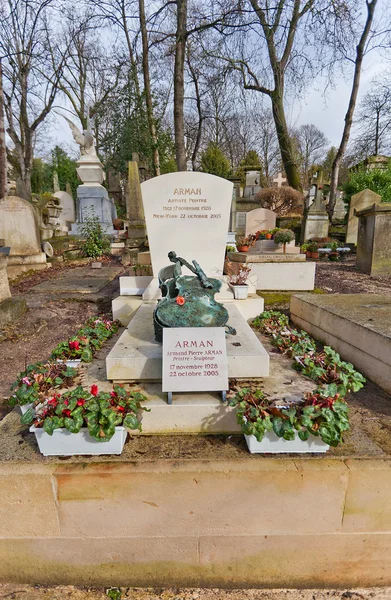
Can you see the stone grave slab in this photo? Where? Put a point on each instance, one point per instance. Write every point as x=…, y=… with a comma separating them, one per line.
x=358, y=326
x=182, y=211
x=278, y=272
x=137, y=356
x=82, y=280
x=260, y=218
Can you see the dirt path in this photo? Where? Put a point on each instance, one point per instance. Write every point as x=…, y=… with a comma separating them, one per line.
x=343, y=278
x=25, y=592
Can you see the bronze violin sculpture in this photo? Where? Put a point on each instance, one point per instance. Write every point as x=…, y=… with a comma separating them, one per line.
x=188, y=300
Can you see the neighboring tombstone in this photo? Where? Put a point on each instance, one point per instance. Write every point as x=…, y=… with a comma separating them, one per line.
x=19, y=229
x=279, y=180
x=260, y=218
x=67, y=204
x=56, y=183
x=340, y=209
x=374, y=239
x=317, y=220
x=4, y=285
x=10, y=308
x=187, y=212
x=134, y=206
x=358, y=202
x=252, y=183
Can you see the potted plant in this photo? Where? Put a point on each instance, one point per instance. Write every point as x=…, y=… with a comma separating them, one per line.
x=85, y=422
x=284, y=236
x=37, y=380
x=334, y=254
x=268, y=235
x=311, y=425
x=313, y=248
x=237, y=279
x=243, y=243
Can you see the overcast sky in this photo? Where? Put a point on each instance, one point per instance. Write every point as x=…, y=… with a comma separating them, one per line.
x=326, y=112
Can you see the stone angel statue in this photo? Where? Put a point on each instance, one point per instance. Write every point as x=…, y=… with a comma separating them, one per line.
x=85, y=140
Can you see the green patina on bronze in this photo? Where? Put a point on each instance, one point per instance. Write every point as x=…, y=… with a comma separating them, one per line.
x=188, y=301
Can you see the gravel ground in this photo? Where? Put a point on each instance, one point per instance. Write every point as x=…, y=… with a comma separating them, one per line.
x=25, y=592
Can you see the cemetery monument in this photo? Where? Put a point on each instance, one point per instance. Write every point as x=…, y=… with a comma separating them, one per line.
x=92, y=197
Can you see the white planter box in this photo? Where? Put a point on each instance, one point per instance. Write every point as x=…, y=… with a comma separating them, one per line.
x=64, y=443
x=275, y=445
x=240, y=291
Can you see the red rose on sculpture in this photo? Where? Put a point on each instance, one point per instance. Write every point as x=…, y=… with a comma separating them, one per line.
x=180, y=300
x=94, y=390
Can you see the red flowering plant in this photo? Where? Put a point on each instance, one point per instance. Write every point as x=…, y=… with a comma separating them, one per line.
x=316, y=415
x=100, y=412
x=38, y=379
x=87, y=341
x=76, y=347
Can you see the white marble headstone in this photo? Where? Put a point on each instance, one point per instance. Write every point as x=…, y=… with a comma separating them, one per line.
x=18, y=226
x=188, y=213
x=260, y=218
x=68, y=207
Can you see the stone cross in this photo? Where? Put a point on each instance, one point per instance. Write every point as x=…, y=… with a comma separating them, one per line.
x=279, y=180
x=317, y=205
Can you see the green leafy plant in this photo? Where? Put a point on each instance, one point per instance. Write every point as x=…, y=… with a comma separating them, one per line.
x=271, y=321
x=100, y=412
x=316, y=415
x=96, y=241
x=37, y=379
x=326, y=368
x=87, y=341
x=283, y=236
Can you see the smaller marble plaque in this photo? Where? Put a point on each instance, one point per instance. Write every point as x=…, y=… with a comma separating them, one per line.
x=194, y=359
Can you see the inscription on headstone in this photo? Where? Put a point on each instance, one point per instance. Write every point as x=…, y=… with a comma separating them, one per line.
x=189, y=213
x=194, y=359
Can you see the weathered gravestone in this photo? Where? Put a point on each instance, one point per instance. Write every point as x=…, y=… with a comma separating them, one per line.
x=67, y=204
x=19, y=229
x=374, y=239
x=358, y=202
x=187, y=212
x=260, y=218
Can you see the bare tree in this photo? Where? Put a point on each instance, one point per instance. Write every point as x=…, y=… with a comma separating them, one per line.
x=3, y=148
x=90, y=74
x=360, y=52
x=373, y=121
x=311, y=144
x=147, y=88
x=32, y=70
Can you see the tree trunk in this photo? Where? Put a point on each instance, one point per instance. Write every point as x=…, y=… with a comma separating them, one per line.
x=179, y=85
x=360, y=51
x=199, y=111
x=285, y=141
x=3, y=150
x=147, y=89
